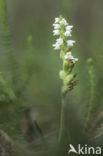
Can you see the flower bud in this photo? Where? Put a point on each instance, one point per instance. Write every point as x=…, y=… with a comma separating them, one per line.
x=68, y=79
x=62, y=74
x=66, y=65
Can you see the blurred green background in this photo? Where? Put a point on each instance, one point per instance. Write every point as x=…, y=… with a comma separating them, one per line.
x=35, y=17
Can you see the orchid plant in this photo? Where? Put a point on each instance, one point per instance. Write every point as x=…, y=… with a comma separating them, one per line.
x=64, y=45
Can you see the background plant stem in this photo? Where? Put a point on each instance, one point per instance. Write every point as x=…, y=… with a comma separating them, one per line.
x=92, y=91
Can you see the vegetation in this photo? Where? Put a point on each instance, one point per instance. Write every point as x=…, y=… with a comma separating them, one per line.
x=35, y=118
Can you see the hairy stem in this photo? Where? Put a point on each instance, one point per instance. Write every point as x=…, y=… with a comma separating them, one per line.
x=63, y=135
x=62, y=118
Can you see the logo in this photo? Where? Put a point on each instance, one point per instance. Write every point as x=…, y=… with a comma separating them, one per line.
x=84, y=150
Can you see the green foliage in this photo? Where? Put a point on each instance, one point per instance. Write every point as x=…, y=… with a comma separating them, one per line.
x=6, y=93
x=13, y=95
x=10, y=53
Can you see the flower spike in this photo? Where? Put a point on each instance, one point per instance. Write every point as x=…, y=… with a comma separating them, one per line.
x=64, y=44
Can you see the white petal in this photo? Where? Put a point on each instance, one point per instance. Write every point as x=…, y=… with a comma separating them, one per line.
x=56, y=46
x=56, y=32
x=68, y=28
x=56, y=26
x=63, y=21
x=70, y=43
x=56, y=20
x=67, y=33
x=59, y=41
x=76, y=59
x=68, y=55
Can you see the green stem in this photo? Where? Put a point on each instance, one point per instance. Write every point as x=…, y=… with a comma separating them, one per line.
x=62, y=131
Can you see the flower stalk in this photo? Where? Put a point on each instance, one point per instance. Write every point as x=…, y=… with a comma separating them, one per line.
x=64, y=45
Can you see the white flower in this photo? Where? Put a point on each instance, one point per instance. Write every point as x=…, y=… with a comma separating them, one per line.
x=70, y=43
x=68, y=30
x=58, y=43
x=63, y=21
x=56, y=46
x=56, y=20
x=69, y=27
x=56, y=32
x=67, y=33
x=69, y=56
x=56, y=26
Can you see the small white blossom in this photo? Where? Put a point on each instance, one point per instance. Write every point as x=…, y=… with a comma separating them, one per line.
x=70, y=43
x=58, y=43
x=67, y=33
x=68, y=30
x=69, y=27
x=56, y=20
x=56, y=32
x=69, y=56
x=63, y=21
x=56, y=26
x=56, y=46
